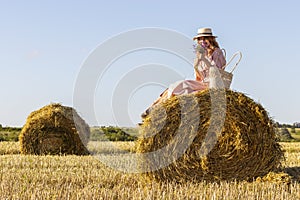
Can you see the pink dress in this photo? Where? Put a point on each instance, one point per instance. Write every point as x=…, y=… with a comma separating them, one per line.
x=188, y=86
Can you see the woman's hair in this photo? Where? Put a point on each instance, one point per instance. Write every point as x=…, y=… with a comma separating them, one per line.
x=214, y=43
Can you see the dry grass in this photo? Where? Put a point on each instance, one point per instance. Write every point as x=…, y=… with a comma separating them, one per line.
x=108, y=147
x=9, y=148
x=84, y=177
x=93, y=146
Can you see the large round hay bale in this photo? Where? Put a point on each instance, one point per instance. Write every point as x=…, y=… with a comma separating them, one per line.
x=186, y=138
x=54, y=129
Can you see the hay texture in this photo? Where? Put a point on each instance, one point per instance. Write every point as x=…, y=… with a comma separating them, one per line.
x=54, y=129
x=244, y=148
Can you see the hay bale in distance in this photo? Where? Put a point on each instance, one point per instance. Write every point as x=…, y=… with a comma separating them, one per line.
x=284, y=134
x=246, y=147
x=54, y=129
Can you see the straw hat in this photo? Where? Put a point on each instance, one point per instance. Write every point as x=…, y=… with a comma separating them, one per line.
x=204, y=32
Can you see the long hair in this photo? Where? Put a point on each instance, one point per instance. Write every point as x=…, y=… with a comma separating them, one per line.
x=213, y=42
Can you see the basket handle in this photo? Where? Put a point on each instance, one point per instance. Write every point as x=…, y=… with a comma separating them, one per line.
x=224, y=52
x=238, y=53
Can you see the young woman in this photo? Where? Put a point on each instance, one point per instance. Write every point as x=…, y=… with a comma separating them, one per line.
x=208, y=54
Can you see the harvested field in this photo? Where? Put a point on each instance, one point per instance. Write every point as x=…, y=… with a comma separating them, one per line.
x=84, y=177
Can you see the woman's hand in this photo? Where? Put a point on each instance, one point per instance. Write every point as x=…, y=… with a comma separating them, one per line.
x=199, y=55
x=200, y=49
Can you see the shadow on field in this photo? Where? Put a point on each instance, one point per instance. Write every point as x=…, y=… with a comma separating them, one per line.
x=293, y=172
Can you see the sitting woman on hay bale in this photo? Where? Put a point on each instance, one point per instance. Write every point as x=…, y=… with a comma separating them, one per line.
x=208, y=55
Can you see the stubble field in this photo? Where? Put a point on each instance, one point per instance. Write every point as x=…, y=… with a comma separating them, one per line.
x=85, y=177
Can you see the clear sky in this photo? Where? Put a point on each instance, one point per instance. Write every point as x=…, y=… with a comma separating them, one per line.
x=43, y=45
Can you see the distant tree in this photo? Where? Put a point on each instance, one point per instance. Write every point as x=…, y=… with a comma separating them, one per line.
x=296, y=124
x=285, y=126
x=0, y=126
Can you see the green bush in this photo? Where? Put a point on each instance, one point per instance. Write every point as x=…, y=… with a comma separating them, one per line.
x=110, y=133
x=102, y=133
x=97, y=135
x=9, y=133
x=9, y=136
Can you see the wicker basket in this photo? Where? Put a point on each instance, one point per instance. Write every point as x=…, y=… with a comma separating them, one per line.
x=227, y=76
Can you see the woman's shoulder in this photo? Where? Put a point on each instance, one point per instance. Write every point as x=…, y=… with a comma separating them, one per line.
x=218, y=50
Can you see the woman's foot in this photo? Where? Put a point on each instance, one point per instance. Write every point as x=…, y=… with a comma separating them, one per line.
x=146, y=113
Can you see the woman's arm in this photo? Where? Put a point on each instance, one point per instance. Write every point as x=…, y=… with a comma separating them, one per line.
x=200, y=57
x=199, y=75
x=218, y=58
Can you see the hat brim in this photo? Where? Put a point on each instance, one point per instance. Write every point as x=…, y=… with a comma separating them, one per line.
x=204, y=35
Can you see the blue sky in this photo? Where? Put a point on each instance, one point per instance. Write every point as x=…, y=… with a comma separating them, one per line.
x=43, y=45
